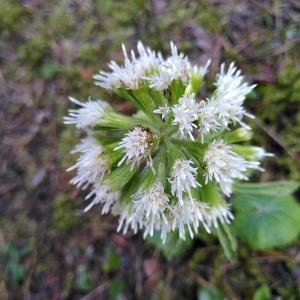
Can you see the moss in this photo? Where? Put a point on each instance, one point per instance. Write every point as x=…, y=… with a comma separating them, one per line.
x=34, y=50
x=209, y=17
x=59, y=22
x=280, y=110
x=12, y=15
x=63, y=217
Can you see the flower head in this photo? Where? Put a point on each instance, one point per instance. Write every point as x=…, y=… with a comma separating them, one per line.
x=219, y=213
x=88, y=115
x=194, y=155
x=223, y=165
x=102, y=194
x=185, y=113
x=231, y=92
x=175, y=67
x=132, y=73
x=163, y=111
x=91, y=166
x=189, y=216
x=183, y=179
x=150, y=207
x=136, y=144
x=207, y=118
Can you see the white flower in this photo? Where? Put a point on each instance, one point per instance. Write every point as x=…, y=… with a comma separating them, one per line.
x=146, y=211
x=160, y=80
x=176, y=66
x=261, y=153
x=163, y=111
x=86, y=116
x=149, y=207
x=132, y=73
x=136, y=145
x=202, y=70
x=223, y=165
x=231, y=92
x=183, y=179
x=185, y=113
x=189, y=216
x=164, y=228
x=148, y=60
x=87, y=144
x=102, y=195
x=126, y=218
x=207, y=118
x=91, y=166
x=219, y=213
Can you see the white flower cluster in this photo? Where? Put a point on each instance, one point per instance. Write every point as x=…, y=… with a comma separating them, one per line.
x=206, y=116
x=150, y=66
x=88, y=115
x=223, y=165
x=166, y=167
x=133, y=72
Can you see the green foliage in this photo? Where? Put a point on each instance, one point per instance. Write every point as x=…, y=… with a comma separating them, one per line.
x=112, y=260
x=278, y=188
x=84, y=280
x=68, y=284
x=228, y=241
x=115, y=289
x=49, y=69
x=209, y=293
x=12, y=261
x=173, y=246
x=262, y=293
x=265, y=220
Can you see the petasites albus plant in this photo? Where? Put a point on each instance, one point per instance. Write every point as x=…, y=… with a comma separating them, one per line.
x=171, y=165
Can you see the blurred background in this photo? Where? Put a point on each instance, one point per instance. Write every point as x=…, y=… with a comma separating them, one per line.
x=49, y=50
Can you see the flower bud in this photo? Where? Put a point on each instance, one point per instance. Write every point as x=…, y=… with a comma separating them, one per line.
x=239, y=135
x=196, y=78
x=251, y=152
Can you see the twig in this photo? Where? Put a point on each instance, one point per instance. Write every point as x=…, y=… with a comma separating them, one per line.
x=139, y=275
x=277, y=139
x=95, y=292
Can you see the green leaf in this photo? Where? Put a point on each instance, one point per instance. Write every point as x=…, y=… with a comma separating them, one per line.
x=83, y=279
x=209, y=293
x=278, y=188
x=116, y=288
x=266, y=221
x=263, y=293
x=107, y=139
x=177, y=89
x=114, y=120
x=112, y=260
x=227, y=240
x=15, y=270
x=119, y=177
x=173, y=246
x=49, y=69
